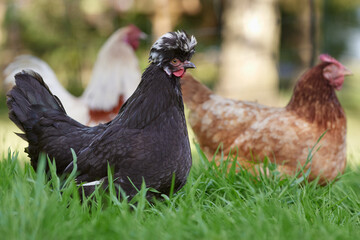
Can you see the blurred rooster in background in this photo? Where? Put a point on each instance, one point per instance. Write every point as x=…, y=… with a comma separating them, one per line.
x=285, y=135
x=115, y=77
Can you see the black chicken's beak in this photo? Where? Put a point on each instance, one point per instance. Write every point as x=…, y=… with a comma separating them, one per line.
x=188, y=64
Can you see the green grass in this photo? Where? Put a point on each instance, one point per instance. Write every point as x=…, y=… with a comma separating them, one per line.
x=214, y=204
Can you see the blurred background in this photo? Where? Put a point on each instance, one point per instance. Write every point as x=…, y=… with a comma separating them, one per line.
x=247, y=49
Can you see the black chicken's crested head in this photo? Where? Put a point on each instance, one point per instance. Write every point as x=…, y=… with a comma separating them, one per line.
x=173, y=51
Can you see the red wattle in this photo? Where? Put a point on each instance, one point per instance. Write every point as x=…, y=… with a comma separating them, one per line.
x=179, y=73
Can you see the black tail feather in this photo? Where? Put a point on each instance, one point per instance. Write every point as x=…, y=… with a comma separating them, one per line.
x=22, y=135
x=29, y=98
x=44, y=122
x=33, y=87
x=28, y=101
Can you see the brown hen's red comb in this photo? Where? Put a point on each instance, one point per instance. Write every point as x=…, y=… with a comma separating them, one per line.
x=327, y=58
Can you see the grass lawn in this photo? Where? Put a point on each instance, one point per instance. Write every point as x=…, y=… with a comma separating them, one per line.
x=212, y=205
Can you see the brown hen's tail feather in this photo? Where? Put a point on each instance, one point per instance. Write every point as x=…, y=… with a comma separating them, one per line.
x=194, y=93
x=29, y=99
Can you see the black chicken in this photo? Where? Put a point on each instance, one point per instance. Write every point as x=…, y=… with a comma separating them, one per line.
x=147, y=140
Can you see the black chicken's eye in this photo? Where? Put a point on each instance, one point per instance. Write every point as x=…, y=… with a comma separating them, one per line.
x=175, y=61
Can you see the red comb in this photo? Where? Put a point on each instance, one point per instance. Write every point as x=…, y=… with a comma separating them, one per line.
x=133, y=28
x=328, y=58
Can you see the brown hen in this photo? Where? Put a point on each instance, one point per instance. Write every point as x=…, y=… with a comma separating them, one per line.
x=285, y=135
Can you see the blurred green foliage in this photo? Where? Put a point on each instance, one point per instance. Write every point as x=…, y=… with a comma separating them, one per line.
x=339, y=18
x=335, y=18
x=63, y=34
x=67, y=34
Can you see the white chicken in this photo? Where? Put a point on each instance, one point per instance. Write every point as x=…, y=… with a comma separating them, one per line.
x=114, y=78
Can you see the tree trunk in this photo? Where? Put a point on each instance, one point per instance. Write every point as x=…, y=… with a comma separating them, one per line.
x=308, y=23
x=161, y=18
x=249, y=53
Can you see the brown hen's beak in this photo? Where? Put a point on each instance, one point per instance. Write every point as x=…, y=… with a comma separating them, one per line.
x=346, y=72
x=188, y=64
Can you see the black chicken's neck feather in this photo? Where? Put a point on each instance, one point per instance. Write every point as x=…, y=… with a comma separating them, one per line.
x=314, y=99
x=156, y=93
